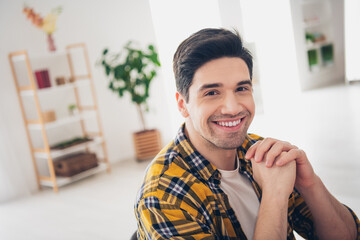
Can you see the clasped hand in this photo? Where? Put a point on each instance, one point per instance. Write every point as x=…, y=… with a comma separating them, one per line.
x=280, y=165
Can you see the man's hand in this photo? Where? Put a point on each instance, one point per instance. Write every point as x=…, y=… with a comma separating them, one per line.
x=278, y=181
x=275, y=152
x=332, y=219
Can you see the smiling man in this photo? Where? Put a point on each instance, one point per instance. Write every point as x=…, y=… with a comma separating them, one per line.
x=216, y=181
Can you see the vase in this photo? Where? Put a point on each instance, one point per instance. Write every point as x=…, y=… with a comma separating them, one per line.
x=51, y=43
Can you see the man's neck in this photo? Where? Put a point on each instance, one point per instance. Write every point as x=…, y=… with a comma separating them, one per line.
x=223, y=159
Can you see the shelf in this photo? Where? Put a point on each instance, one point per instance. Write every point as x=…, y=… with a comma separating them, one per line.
x=67, y=86
x=322, y=70
x=317, y=45
x=62, y=181
x=80, y=147
x=62, y=121
x=315, y=23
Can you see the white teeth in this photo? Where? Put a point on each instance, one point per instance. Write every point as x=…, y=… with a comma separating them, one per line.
x=229, y=124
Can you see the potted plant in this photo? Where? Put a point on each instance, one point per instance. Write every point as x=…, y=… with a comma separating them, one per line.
x=131, y=71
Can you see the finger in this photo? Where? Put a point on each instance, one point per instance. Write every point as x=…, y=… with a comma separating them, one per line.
x=264, y=146
x=251, y=151
x=276, y=150
x=291, y=155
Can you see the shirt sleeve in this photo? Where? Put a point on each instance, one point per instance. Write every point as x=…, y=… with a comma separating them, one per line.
x=161, y=220
x=302, y=219
x=357, y=222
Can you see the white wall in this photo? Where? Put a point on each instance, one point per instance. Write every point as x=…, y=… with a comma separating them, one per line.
x=173, y=22
x=352, y=39
x=99, y=24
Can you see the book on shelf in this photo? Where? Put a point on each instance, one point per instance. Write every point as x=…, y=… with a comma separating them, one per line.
x=42, y=78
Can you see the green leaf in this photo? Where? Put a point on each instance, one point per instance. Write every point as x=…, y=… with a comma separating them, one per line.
x=121, y=92
x=105, y=51
x=119, y=72
x=111, y=85
x=107, y=70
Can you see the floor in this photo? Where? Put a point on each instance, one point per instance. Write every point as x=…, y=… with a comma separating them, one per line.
x=324, y=122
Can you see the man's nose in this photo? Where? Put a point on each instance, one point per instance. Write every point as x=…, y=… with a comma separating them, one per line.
x=230, y=105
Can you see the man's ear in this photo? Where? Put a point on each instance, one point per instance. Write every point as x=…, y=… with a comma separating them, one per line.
x=181, y=105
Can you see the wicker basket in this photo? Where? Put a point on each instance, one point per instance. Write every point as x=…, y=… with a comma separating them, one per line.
x=74, y=164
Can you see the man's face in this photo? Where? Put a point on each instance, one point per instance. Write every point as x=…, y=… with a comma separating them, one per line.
x=221, y=106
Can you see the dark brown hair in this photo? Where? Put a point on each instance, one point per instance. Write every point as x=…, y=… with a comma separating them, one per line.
x=203, y=46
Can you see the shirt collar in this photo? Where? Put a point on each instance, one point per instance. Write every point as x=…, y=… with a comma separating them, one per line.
x=200, y=164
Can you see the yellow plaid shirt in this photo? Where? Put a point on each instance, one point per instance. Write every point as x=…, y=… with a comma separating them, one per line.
x=181, y=198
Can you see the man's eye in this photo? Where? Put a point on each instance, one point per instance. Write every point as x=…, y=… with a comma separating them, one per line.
x=241, y=89
x=211, y=93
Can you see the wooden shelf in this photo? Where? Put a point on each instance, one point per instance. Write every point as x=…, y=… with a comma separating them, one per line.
x=68, y=86
x=77, y=148
x=59, y=64
x=62, y=181
x=61, y=122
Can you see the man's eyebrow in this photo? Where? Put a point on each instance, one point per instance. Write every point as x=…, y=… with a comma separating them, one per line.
x=216, y=85
x=244, y=82
x=211, y=85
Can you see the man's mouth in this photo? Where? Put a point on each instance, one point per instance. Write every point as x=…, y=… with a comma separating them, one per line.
x=232, y=123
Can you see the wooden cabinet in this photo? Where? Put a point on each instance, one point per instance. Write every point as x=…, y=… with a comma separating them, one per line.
x=63, y=109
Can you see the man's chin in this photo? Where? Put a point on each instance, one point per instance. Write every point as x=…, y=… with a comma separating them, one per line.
x=228, y=145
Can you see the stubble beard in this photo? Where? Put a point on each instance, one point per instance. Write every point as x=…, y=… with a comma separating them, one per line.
x=233, y=140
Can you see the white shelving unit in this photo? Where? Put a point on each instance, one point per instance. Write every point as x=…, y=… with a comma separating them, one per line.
x=319, y=30
x=28, y=93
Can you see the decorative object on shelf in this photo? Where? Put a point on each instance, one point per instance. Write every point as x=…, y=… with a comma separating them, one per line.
x=71, y=79
x=60, y=81
x=327, y=54
x=72, y=109
x=313, y=59
x=43, y=78
x=132, y=71
x=315, y=37
x=49, y=116
x=47, y=24
x=70, y=143
x=75, y=164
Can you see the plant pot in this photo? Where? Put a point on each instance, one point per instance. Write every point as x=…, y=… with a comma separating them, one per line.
x=147, y=144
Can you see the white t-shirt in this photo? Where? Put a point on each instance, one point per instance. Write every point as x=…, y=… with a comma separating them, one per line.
x=242, y=198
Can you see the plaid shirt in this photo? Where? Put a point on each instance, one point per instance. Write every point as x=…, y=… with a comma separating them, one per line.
x=181, y=197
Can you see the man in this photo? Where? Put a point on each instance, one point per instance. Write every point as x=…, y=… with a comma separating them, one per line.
x=215, y=181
